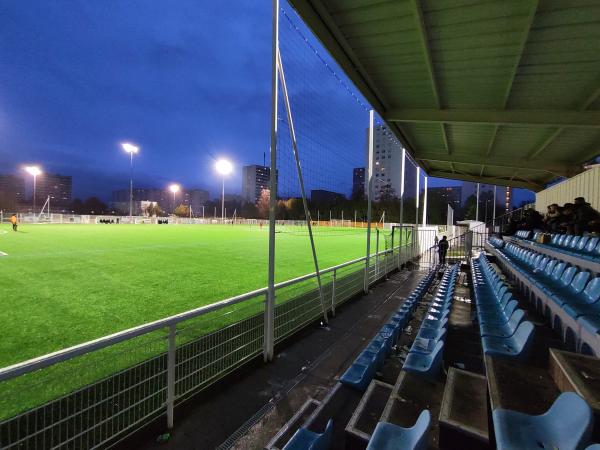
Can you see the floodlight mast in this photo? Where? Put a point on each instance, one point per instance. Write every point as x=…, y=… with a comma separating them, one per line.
x=131, y=149
x=175, y=188
x=34, y=171
x=224, y=167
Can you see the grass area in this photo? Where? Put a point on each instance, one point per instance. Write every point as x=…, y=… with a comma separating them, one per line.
x=66, y=284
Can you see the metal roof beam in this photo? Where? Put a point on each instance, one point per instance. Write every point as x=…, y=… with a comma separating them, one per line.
x=424, y=41
x=541, y=118
x=582, y=107
x=491, y=180
x=557, y=168
x=515, y=67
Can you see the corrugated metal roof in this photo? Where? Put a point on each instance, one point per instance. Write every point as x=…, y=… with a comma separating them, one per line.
x=504, y=92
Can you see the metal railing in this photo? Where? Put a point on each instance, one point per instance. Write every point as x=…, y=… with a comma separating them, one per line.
x=94, y=394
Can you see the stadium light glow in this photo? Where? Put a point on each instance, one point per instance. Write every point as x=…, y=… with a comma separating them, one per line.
x=132, y=150
x=223, y=166
x=34, y=171
x=174, y=188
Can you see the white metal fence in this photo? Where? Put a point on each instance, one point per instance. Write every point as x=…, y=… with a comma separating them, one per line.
x=94, y=394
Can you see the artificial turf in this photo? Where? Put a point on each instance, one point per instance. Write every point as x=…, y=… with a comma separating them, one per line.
x=66, y=284
x=62, y=285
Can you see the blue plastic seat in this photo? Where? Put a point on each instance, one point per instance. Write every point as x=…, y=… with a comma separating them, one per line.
x=388, y=436
x=567, y=425
x=304, y=439
x=586, y=302
x=505, y=330
x=566, y=294
x=591, y=245
x=426, y=365
x=517, y=346
x=498, y=317
x=358, y=376
x=593, y=447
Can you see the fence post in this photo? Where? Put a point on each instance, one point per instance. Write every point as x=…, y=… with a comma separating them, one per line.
x=171, y=374
x=333, y=292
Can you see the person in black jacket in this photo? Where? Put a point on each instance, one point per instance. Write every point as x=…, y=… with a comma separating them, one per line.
x=443, y=249
x=584, y=216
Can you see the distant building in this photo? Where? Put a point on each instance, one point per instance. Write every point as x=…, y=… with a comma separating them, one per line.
x=254, y=180
x=58, y=187
x=358, y=181
x=196, y=198
x=450, y=195
x=387, y=166
x=12, y=192
x=323, y=197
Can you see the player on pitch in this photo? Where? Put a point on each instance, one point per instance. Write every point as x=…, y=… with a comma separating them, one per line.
x=13, y=220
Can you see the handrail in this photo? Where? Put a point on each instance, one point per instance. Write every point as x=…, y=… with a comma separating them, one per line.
x=50, y=359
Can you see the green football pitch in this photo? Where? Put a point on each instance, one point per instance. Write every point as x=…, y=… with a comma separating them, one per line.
x=66, y=284
x=63, y=285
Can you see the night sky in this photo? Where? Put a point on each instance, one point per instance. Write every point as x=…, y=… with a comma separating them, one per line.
x=188, y=81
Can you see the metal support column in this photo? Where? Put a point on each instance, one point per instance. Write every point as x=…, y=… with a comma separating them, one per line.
x=171, y=375
x=269, y=321
x=301, y=182
x=477, y=205
x=369, y=195
x=401, y=238
x=425, y=202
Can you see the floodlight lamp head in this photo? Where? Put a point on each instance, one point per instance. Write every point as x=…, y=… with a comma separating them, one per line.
x=33, y=170
x=174, y=188
x=130, y=148
x=224, y=167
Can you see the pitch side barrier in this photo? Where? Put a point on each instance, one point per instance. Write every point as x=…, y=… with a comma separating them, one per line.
x=94, y=394
x=89, y=219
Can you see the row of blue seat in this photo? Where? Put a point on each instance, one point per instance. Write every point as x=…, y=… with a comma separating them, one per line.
x=360, y=374
x=504, y=332
x=426, y=353
x=523, y=234
x=424, y=359
x=568, y=296
x=586, y=247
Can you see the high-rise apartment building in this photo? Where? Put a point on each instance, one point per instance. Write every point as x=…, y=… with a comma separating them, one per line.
x=358, y=182
x=12, y=192
x=58, y=187
x=254, y=180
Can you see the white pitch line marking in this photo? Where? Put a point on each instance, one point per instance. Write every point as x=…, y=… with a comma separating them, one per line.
x=3, y=254
x=3, y=232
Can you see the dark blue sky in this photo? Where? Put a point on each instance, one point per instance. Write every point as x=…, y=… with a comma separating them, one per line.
x=189, y=81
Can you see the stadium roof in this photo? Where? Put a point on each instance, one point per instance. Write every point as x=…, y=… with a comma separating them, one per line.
x=502, y=92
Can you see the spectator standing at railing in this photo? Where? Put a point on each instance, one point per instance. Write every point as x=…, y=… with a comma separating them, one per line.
x=443, y=249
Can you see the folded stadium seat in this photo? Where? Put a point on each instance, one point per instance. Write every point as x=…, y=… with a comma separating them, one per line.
x=498, y=317
x=556, y=284
x=505, y=330
x=359, y=376
x=517, y=346
x=567, y=425
x=587, y=302
x=591, y=245
x=304, y=439
x=567, y=241
x=554, y=239
x=426, y=365
x=388, y=436
x=593, y=447
x=565, y=294
x=574, y=243
x=433, y=333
